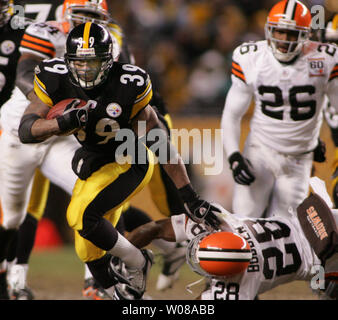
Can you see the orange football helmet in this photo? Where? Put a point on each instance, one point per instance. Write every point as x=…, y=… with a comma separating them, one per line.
x=97, y=10
x=292, y=16
x=219, y=254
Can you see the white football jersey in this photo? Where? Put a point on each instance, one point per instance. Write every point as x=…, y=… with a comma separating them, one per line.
x=280, y=254
x=288, y=97
x=45, y=40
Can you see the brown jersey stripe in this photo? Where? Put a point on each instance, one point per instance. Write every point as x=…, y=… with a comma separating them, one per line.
x=238, y=75
x=237, y=67
x=39, y=41
x=38, y=48
x=333, y=75
x=335, y=68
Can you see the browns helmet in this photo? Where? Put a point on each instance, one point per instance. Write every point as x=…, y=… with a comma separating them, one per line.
x=291, y=16
x=76, y=12
x=219, y=254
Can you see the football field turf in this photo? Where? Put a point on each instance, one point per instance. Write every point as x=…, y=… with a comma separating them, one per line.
x=57, y=274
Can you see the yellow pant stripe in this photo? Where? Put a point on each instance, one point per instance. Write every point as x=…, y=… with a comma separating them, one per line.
x=39, y=195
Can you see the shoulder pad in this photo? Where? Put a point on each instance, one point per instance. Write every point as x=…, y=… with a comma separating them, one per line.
x=48, y=75
x=42, y=30
x=43, y=40
x=249, y=48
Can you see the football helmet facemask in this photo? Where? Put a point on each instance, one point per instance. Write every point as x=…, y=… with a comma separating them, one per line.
x=219, y=254
x=292, y=18
x=89, y=55
x=6, y=8
x=76, y=12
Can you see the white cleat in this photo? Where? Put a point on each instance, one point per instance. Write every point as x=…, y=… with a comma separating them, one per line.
x=17, y=282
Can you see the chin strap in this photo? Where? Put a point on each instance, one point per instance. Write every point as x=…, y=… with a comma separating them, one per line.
x=188, y=287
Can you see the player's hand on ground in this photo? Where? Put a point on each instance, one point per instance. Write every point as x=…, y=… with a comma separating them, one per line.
x=241, y=169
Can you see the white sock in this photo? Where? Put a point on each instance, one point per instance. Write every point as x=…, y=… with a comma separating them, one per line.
x=87, y=273
x=128, y=253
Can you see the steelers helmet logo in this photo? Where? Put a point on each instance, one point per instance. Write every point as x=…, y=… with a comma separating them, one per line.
x=7, y=47
x=114, y=110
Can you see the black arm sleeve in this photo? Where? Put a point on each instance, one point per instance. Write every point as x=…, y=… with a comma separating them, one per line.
x=25, y=133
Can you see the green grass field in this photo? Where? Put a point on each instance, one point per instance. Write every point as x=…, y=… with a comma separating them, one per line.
x=58, y=275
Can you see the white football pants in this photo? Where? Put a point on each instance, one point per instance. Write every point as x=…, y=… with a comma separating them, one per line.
x=17, y=167
x=282, y=181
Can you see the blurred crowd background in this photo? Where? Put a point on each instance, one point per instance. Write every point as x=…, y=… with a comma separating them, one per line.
x=186, y=45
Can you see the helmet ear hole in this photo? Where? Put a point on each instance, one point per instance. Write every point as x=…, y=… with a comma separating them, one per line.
x=219, y=254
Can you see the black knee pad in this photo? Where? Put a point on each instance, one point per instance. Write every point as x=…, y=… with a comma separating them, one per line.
x=100, y=232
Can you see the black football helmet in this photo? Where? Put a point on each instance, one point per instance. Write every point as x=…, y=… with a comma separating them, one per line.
x=6, y=6
x=89, y=54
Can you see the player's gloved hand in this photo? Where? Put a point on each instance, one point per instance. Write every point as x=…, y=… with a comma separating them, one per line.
x=73, y=117
x=319, y=151
x=199, y=210
x=241, y=169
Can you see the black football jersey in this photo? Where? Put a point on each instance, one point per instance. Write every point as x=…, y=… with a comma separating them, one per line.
x=9, y=55
x=123, y=95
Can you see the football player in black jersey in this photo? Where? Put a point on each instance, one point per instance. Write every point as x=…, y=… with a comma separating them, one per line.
x=168, y=202
x=11, y=32
x=118, y=97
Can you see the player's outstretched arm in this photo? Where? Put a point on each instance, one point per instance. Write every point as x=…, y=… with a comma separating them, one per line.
x=237, y=103
x=160, y=229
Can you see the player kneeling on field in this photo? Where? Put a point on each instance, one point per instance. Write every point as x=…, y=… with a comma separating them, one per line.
x=247, y=257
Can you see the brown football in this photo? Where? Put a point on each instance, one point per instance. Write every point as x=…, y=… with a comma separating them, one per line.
x=59, y=108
